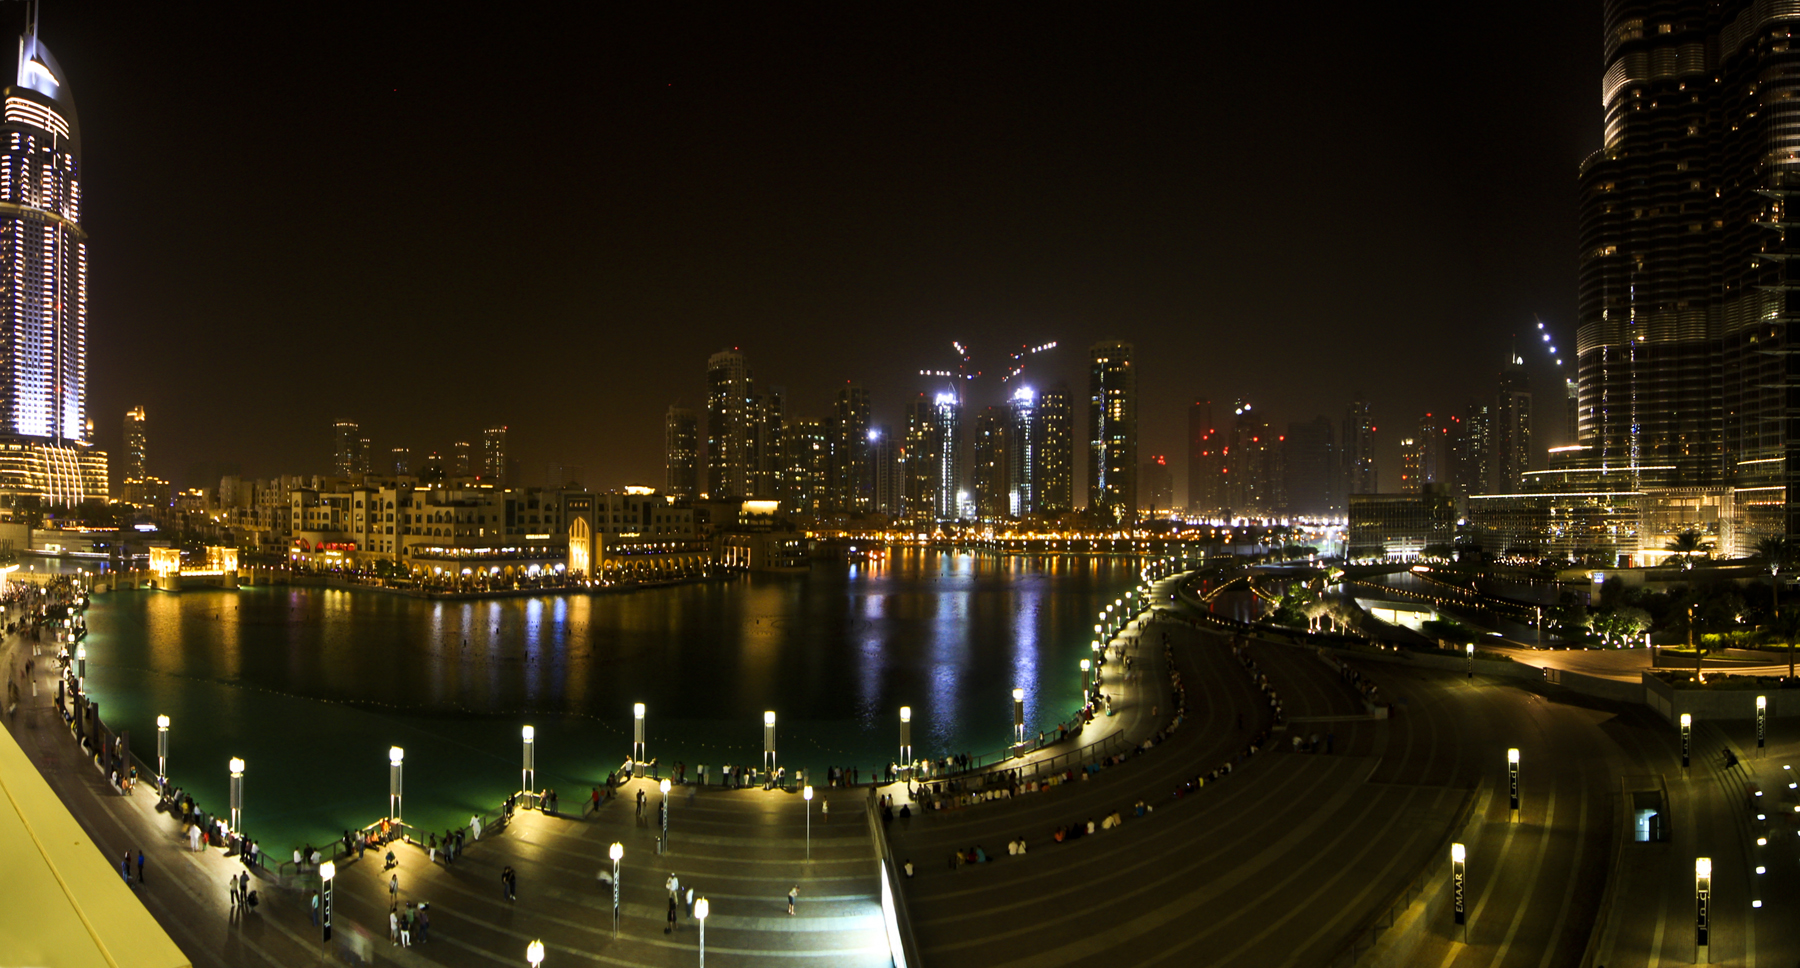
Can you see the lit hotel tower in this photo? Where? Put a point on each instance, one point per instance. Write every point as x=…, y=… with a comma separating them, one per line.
x=1688, y=374
x=44, y=430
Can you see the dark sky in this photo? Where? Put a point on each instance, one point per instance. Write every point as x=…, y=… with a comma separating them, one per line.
x=432, y=219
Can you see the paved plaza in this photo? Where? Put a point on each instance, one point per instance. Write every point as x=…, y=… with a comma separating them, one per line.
x=1290, y=858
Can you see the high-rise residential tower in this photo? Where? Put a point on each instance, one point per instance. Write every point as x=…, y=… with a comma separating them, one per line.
x=681, y=452
x=1206, y=461
x=43, y=289
x=136, y=462
x=1112, y=433
x=1512, y=427
x=849, y=475
x=885, y=456
x=950, y=487
x=1055, y=478
x=731, y=427
x=1024, y=453
x=1357, y=449
x=493, y=456
x=345, y=435
x=921, y=457
x=991, y=469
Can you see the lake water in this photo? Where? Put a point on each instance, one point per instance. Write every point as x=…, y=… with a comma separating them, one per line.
x=311, y=686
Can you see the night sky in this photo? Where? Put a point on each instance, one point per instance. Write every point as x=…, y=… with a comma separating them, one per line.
x=433, y=219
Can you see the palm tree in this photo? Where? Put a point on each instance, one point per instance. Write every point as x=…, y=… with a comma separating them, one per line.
x=1687, y=544
x=1775, y=551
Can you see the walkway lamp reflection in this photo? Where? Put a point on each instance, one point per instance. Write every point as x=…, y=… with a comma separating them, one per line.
x=162, y=755
x=237, y=792
x=806, y=795
x=617, y=853
x=534, y=954
x=702, y=907
x=528, y=765
x=663, y=845
x=396, y=761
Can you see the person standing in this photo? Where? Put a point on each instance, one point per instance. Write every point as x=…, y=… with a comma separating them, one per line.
x=315, y=909
x=393, y=927
x=793, y=894
x=125, y=867
x=671, y=925
x=824, y=810
x=393, y=892
x=140, y=866
x=232, y=883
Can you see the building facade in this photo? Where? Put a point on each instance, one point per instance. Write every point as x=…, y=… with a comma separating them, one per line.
x=1112, y=433
x=681, y=452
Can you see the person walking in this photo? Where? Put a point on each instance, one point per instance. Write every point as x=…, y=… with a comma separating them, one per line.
x=406, y=923
x=393, y=892
x=640, y=806
x=125, y=867
x=315, y=909
x=232, y=883
x=793, y=894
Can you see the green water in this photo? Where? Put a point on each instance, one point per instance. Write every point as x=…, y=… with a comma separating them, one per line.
x=312, y=686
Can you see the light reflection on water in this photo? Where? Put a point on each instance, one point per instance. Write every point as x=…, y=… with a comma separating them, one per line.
x=312, y=685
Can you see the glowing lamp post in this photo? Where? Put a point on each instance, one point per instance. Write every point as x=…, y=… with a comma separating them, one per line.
x=1512, y=772
x=81, y=668
x=534, y=954
x=1762, y=720
x=1459, y=888
x=1086, y=683
x=702, y=907
x=1703, y=910
x=237, y=792
x=617, y=853
x=663, y=845
x=327, y=871
x=162, y=755
x=638, y=750
x=1687, y=737
x=1018, y=715
x=906, y=738
x=528, y=764
x=769, y=743
x=396, y=763
x=1471, y=651
x=806, y=795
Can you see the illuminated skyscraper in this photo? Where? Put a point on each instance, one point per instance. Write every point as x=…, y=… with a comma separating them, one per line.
x=1357, y=449
x=1512, y=428
x=1112, y=433
x=920, y=458
x=1688, y=363
x=991, y=469
x=136, y=462
x=731, y=431
x=1206, y=461
x=1025, y=453
x=849, y=477
x=345, y=436
x=44, y=429
x=493, y=456
x=884, y=455
x=947, y=412
x=460, y=465
x=1055, y=477
x=681, y=451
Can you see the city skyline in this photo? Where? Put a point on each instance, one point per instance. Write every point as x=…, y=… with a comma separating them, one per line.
x=1073, y=179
